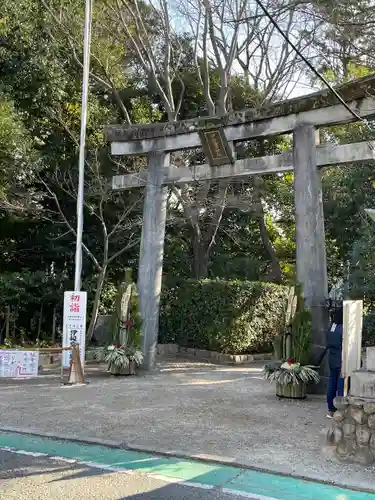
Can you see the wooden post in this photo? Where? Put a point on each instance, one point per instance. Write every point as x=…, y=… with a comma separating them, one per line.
x=310, y=238
x=151, y=254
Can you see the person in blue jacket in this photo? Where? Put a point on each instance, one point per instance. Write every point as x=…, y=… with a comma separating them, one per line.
x=334, y=348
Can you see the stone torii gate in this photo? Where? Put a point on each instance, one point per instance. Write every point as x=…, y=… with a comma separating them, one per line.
x=302, y=116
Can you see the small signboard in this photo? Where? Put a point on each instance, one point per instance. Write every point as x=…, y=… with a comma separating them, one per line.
x=216, y=147
x=352, y=337
x=19, y=364
x=74, y=327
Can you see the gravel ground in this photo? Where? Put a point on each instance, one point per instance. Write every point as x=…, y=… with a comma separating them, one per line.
x=194, y=409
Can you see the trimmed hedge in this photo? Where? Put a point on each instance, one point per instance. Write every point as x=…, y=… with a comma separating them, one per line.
x=232, y=317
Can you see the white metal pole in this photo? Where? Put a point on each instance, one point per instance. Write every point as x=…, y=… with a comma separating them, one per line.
x=81, y=162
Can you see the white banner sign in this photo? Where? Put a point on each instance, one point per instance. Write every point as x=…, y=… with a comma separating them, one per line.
x=74, y=327
x=352, y=336
x=19, y=364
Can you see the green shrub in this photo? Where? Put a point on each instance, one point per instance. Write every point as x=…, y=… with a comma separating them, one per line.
x=231, y=317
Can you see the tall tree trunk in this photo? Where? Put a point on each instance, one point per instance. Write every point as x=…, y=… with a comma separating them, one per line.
x=15, y=316
x=96, y=303
x=40, y=319
x=53, y=336
x=200, y=258
x=7, y=322
x=277, y=275
x=200, y=262
x=204, y=242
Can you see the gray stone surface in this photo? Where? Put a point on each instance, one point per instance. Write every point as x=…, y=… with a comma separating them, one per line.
x=167, y=349
x=362, y=384
x=311, y=259
x=353, y=432
x=193, y=409
x=370, y=358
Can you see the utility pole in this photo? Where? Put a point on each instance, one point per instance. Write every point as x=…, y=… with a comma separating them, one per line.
x=82, y=143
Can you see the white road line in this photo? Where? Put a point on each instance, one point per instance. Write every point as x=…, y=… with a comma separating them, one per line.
x=175, y=480
x=111, y=468
x=23, y=452
x=159, y=477
x=245, y=494
x=63, y=459
x=31, y=453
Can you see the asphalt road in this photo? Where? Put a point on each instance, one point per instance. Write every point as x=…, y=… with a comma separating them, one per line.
x=39, y=478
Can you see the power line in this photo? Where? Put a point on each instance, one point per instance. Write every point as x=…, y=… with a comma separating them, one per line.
x=311, y=67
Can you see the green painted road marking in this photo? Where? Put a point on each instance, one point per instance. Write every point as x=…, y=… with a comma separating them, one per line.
x=231, y=479
x=285, y=488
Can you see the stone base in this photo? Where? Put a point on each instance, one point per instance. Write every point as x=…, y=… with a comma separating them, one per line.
x=211, y=356
x=362, y=384
x=353, y=431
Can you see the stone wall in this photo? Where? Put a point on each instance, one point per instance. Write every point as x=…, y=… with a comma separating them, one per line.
x=353, y=433
x=210, y=356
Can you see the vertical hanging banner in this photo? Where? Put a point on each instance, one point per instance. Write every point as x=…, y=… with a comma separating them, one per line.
x=74, y=327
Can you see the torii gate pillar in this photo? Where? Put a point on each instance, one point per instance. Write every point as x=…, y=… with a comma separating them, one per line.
x=310, y=237
x=151, y=254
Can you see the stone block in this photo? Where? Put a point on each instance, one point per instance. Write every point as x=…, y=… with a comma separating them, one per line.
x=173, y=348
x=241, y=358
x=346, y=449
x=340, y=402
x=337, y=435
x=371, y=421
x=363, y=384
x=223, y=358
x=358, y=415
x=355, y=402
x=167, y=349
x=370, y=359
x=363, y=456
x=338, y=416
x=348, y=429
x=215, y=356
x=202, y=354
x=262, y=357
x=369, y=408
x=363, y=435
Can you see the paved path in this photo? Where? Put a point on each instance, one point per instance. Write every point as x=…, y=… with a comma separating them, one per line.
x=31, y=478
x=32, y=467
x=192, y=409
